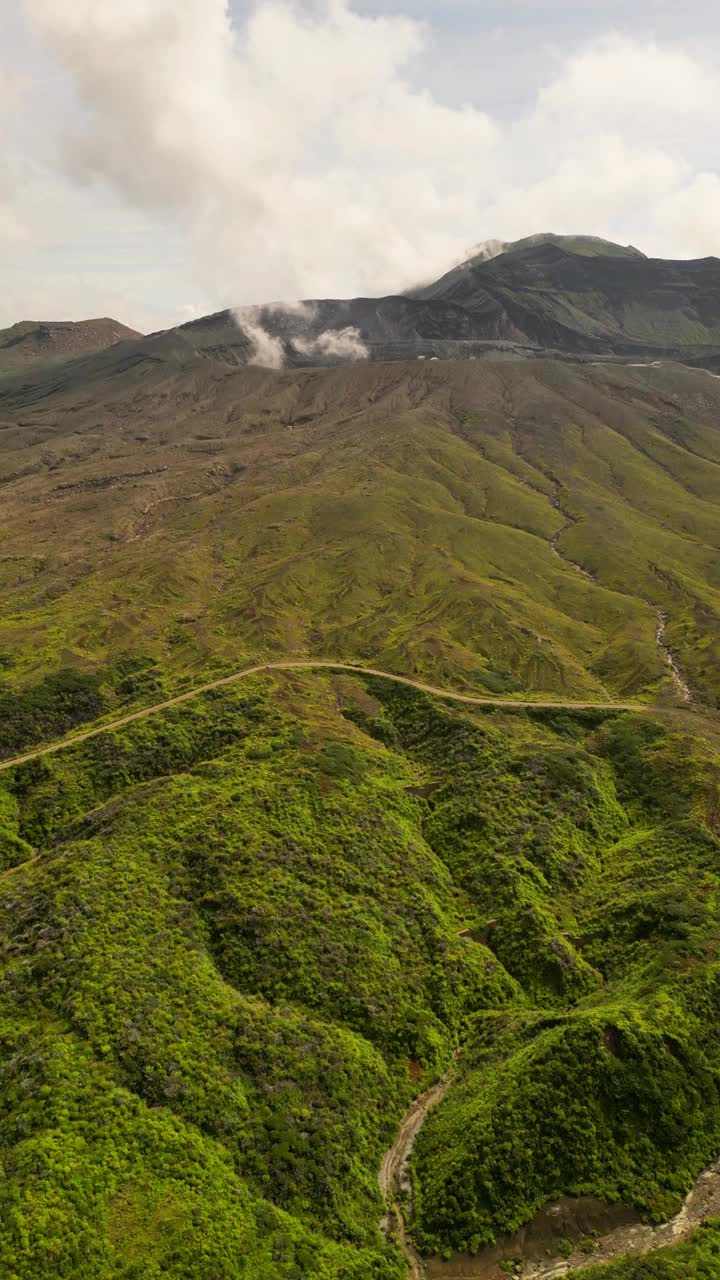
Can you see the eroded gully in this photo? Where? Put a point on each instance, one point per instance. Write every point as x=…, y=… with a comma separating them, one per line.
x=681, y=685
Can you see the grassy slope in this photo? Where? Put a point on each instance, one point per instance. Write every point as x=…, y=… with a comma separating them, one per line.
x=239, y=954
x=402, y=513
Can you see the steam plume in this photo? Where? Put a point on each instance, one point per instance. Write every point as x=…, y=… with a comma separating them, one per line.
x=340, y=344
x=267, y=352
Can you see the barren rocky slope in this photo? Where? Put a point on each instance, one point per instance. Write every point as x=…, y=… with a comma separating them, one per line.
x=31, y=343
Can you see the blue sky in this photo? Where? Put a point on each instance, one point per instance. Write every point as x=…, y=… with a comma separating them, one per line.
x=162, y=162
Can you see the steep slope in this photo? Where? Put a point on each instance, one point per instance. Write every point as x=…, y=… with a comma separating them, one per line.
x=587, y=246
x=572, y=296
x=556, y=293
x=30, y=343
x=516, y=527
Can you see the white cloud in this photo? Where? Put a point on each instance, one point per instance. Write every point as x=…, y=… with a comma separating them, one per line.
x=689, y=217
x=285, y=150
x=636, y=87
x=296, y=156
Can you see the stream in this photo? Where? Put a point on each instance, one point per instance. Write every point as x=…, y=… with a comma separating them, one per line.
x=599, y=1232
x=681, y=685
x=395, y=1179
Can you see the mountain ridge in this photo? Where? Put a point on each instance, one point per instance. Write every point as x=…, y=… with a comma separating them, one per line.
x=572, y=297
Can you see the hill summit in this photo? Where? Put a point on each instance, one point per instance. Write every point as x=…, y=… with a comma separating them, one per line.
x=586, y=246
x=32, y=342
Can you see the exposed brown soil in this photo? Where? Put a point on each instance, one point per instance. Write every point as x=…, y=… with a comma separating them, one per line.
x=395, y=1180
x=599, y=1232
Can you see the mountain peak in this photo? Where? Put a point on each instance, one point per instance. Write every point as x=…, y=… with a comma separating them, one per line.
x=583, y=246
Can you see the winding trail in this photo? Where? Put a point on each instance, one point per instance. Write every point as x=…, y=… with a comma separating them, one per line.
x=395, y=1180
x=310, y=664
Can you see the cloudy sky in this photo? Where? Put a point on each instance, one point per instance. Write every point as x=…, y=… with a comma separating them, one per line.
x=164, y=158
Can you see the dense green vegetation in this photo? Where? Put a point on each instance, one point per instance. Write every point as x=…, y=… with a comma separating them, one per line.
x=699, y=1259
x=216, y=976
x=48, y=710
x=238, y=938
x=67, y=699
x=250, y=929
x=602, y=880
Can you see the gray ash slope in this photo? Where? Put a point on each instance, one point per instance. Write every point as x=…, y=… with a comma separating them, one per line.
x=30, y=343
x=574, y=296
x=570, y=297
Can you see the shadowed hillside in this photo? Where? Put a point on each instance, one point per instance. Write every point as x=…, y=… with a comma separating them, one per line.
x=576, y=294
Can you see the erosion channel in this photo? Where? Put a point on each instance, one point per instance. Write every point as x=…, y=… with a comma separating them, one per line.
x=598, y=1232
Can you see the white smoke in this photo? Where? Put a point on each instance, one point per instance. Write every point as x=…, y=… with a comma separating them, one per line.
x=304, y=312
x=266, y=351
x=486, y=251
x=338, y=344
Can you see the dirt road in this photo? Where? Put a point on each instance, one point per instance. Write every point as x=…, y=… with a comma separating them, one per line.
x=313, y=665
x=395, y=1181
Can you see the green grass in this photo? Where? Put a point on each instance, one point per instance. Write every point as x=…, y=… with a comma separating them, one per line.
x=406, y=518
x=249, y=930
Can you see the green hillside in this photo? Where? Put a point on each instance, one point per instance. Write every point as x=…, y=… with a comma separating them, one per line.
x=585, y=246
x=239, y=936
x=431, y=517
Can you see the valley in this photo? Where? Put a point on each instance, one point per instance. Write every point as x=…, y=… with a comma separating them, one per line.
x=360, y=784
